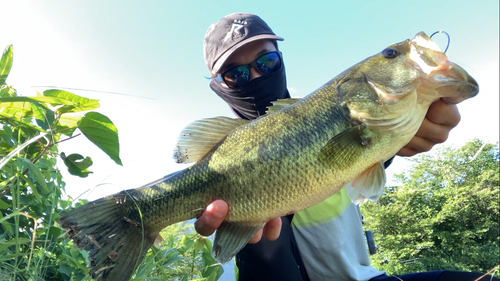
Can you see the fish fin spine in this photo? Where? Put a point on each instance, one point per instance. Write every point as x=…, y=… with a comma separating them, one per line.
x=199, y=137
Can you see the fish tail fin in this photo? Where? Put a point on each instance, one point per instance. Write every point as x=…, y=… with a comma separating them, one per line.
x=115, y=239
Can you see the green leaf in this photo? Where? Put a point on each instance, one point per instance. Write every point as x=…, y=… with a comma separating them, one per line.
x=65, y=269
x=79, y=103
x=20, y=240
x=68, y=123
x=19, y=148
x=77, y=164
x=16, y=119
x=54, y=232
x=35, y=172
x=212, y=269
x=4, y=205
x=7, y=225
x=187, y=242
x=199, y=243
x=44, y=117
x=20, y=109
x=7, y=91
x=103, y=133
x=51, y=100
x=6, y=64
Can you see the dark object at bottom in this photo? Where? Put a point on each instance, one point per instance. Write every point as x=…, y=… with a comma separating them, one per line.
x=272, y=260
x=371, y=242
x=438, y=275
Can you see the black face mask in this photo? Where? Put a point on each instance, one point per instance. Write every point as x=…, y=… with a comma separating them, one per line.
x=252, y=100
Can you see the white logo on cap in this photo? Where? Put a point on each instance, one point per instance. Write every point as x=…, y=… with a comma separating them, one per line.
x=236, y=30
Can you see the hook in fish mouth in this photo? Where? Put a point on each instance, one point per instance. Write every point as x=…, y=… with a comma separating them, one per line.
x=447, y=35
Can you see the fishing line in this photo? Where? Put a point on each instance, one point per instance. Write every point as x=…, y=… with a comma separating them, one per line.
x=447, y=35
x=95, y=91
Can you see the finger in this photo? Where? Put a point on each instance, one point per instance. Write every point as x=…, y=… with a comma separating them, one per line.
x=256, y=238
x=211, y=218
x=416, y=145
x=407, y=152
x=272, y=229
x=443, y=113
x=434, y=133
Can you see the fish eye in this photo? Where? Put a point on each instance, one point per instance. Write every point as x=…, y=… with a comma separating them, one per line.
x=390, y=53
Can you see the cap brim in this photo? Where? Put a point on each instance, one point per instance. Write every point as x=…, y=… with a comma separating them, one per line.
x=229, y=52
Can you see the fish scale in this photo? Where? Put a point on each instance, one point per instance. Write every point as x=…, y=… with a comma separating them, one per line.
x=298, y=154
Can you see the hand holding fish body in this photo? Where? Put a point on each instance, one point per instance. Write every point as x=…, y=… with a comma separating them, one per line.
x=298, y=154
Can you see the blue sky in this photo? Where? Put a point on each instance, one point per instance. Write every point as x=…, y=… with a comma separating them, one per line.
x=150, y=52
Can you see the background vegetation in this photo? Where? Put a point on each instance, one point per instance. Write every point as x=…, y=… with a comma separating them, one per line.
x=32, y=245
x=443, y=215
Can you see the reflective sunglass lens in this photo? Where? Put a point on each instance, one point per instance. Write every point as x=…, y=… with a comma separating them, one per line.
x=268, y=63
x=237, y=77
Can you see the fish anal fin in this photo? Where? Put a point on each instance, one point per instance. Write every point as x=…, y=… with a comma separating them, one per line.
x=369, y=185
x=196, y=139
x=232, y=237
x=280, y=104
x=157, y=241
x=344, y=148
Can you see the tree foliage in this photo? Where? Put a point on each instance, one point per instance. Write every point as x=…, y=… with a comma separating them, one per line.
x=32, y=245
x=443, y=215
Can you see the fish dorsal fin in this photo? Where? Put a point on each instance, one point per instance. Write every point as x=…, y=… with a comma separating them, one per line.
x=280, y=104
x=369, y=185
x=231, y=237
x=197, y=138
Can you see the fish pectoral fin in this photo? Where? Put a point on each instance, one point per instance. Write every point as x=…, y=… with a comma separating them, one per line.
x=344, y=148
x=232, y=237
x=199, y=137
x=369, y=185
x=280, y=104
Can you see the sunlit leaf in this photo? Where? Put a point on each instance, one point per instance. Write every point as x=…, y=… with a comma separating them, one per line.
x=7, y=91
x=79, y=103
x=18, y=121
x=103, y=133
x=68, y=123
x=18, y=109
x=50, y=100
x=212, y=269
x=77, y=164
x=6, y=64
x=187, y=242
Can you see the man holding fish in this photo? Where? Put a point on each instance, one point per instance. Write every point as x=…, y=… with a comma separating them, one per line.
x=303, y=160
x=322, y=242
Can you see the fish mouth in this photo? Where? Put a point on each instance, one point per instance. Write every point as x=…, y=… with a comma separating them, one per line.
x=454, y=83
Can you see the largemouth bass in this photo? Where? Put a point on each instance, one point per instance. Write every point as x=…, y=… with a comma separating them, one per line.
x=298, y=154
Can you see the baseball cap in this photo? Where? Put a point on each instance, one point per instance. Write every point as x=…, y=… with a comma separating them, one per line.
x=231, y=32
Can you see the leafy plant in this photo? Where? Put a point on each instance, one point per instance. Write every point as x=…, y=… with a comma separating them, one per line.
x=180, y=257
x=32, y=245
x=444, y=215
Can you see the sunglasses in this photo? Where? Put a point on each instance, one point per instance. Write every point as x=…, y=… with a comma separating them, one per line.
x=239, y=76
